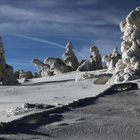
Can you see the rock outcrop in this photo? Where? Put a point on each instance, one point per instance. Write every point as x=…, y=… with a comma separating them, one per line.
x=128, y=68
x=7, y=76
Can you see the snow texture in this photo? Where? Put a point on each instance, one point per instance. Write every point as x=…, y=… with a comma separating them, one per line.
x=56, y=90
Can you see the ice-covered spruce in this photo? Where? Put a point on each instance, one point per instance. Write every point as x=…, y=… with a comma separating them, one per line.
x=112, y=59
x=55, y=66
x=7, y=76
x=128, y=68
x=94, y=62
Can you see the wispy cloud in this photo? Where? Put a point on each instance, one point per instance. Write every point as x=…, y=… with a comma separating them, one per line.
x=54, y=22
x=66, y=17
x=40, y=40
x=80, y=54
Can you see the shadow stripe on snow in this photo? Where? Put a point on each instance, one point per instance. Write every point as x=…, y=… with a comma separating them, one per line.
x=41, y=83
x=113, y=89
x=49, y=82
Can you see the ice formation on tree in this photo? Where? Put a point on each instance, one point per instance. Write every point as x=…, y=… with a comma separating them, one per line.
x=55, y=66
x=69, y=57
x=93, y=63
x=7, y=76
x=24, y=74
x=112, y=59
x=44, y=69
x=128, y=68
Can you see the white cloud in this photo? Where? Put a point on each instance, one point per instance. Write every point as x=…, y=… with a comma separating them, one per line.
x=56, y=20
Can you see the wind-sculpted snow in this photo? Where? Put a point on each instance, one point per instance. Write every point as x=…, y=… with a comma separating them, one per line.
x=128, y=68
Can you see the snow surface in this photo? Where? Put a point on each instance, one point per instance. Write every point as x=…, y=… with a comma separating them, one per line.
x=55, y=90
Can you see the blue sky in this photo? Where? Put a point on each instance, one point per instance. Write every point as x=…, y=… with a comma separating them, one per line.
x=28, y=27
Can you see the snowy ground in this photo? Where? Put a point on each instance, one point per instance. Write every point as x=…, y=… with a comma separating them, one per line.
x=57, y=90
x=110, y=117
x=81, y=112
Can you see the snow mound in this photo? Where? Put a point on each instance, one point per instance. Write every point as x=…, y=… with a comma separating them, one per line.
x=98, y=78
